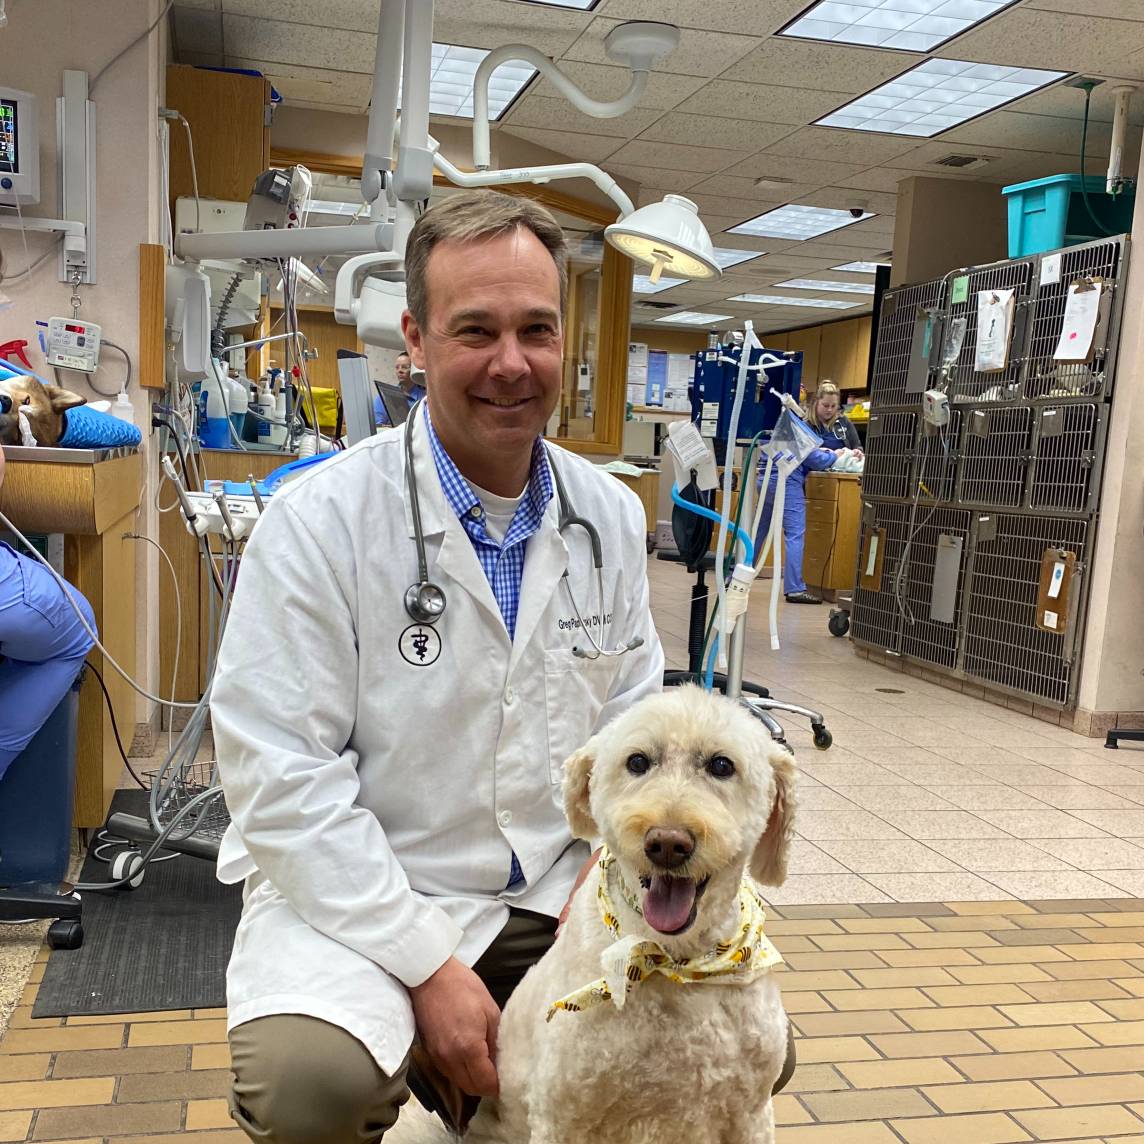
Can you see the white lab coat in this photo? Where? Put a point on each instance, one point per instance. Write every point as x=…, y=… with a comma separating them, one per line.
x=376, y=801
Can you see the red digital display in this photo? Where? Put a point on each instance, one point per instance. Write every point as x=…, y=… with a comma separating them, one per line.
x=75, y=329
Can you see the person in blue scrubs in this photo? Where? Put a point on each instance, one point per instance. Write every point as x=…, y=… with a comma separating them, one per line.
x=42, y=647
x=794, y=521
x=402, y=369
x=829, y=422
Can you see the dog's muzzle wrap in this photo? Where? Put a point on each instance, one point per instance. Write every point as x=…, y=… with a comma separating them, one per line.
x=630, y=960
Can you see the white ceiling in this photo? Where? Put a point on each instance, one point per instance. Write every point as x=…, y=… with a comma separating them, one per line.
x=733, y=104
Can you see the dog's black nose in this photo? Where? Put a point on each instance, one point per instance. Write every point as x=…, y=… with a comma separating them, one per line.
x=5, y=403
x=667, y=847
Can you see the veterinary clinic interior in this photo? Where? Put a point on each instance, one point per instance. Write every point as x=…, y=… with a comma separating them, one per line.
x=698, y=619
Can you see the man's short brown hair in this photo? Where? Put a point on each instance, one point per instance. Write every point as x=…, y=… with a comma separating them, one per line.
x=473, y=217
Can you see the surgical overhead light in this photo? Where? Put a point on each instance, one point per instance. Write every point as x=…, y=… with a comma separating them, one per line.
x=666, y=236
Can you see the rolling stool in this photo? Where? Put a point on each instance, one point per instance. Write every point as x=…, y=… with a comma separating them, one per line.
x=36, y=796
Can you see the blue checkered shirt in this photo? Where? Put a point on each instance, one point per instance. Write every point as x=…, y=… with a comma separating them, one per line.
x=503, y=563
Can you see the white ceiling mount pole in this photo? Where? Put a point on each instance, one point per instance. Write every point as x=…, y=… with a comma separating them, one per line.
x=413, y=179
x=379, y=151
x=639, y=44
x=1116, y=183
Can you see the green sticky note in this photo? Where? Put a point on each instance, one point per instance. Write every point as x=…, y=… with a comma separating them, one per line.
x=960, y=290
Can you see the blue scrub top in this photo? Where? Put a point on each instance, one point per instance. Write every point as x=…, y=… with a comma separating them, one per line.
x=381, y=417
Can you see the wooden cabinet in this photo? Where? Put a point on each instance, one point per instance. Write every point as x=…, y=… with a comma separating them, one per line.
x=229, y=116
x=833, y=510
x=809, y=342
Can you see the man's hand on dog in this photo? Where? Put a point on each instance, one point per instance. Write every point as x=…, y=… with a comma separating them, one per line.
x=457, y=1020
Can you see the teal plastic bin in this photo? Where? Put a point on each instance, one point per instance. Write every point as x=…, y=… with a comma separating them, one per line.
x=1046, y=214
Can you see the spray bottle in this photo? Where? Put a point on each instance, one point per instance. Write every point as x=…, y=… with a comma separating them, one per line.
x=213, y=430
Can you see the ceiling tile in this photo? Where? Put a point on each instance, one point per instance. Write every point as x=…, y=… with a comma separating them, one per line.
x=761, y=16
x=1025, y=37
x=662, y=179
x=813, y=171
x=841, y=198
x=1113, y=9
x=883, y=179
x=833, y=145
x=922, y=159
x=197, y=31
x=699, y=53
x=604, y=82
x=264, y=39
x=313, y=85
x=560, y=115
x=491, y=23
x=1021, y=132
x=213, y=5
x=742, y=209
x=323, y=105
x=201, y=59
x=1068, y=103
x=708, y=131
x=352, y=15
x=585, y=148
x=839, y=250
x=766, y=103
x=832, y=67
x=646, y=153
x=739, y=188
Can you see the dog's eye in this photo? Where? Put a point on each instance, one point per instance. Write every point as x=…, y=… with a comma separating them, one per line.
x=720, y=767
x=638, y=764
x=26, y=401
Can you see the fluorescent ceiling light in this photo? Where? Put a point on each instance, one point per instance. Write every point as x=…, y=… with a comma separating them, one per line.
x=694, y=318
x=860, y=267
x=452, y=72
x=938, y=95
x=829, y=285
x=797, y=222
x=904, y=25
x=642, y=284
x=779, y=300
x=726, y=256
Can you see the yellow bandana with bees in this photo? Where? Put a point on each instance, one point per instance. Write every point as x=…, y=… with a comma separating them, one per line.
x=742, y=957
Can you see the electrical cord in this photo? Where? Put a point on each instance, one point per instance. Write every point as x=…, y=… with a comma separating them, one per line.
x=115, y=726
x=120, y=54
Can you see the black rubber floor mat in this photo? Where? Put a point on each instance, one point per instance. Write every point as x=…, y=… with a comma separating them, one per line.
x=163, y=946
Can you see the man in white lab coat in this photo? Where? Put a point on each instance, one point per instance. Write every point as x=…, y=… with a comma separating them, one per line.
x=394, y=784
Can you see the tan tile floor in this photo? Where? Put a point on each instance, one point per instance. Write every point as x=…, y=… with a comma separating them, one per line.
x=1009, y=1008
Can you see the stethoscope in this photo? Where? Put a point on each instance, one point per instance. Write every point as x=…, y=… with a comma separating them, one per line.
x=425, y=601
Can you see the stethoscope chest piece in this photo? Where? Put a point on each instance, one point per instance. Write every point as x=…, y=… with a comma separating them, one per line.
x=424, y=602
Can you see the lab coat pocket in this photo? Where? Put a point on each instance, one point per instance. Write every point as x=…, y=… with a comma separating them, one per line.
x=575, y=691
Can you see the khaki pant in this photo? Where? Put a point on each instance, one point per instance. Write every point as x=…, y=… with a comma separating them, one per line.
x=298, y=1080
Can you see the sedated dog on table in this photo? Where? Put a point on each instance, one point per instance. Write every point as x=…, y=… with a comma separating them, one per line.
x=655, y=1015
x=44, y=407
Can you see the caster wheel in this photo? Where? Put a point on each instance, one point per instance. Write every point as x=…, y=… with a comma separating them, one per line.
x=822, y=738
x=67, y=933
x=128, y=864
x=839, y=624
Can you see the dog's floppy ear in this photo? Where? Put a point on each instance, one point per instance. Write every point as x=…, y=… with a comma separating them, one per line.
x=769, y=862
x=62, y=399
x=577, y=773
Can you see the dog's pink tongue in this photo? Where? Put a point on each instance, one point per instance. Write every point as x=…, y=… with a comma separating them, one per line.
x=667, y=904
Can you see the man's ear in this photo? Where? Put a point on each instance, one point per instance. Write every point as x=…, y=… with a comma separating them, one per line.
x=769, y=862
x=411, y=331
x=62, y=399
x=577, y=780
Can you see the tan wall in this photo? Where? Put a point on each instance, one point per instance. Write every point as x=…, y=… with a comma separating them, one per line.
x=944, y=223
x=1112, y=668
x=40, y=40
x=669, y=341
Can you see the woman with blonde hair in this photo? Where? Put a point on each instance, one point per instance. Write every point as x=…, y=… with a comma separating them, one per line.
x=827, y=419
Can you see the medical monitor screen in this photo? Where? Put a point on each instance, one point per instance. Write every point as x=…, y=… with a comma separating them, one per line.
x=9, y=137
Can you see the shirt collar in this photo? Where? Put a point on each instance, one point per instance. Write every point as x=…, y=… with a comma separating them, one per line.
x=460, y=495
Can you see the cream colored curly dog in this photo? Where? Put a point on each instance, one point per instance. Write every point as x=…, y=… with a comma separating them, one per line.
x=655, y=1016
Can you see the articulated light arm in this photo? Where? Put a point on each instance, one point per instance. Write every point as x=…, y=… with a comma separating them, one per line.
x=544, y=174
x=596, y=108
